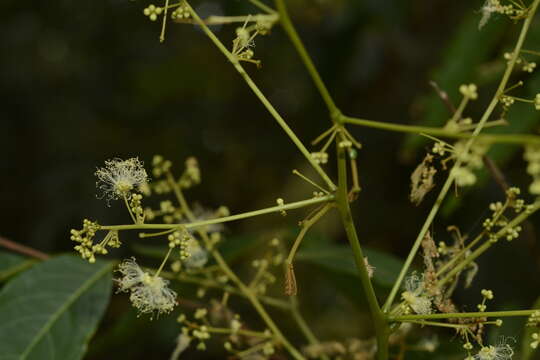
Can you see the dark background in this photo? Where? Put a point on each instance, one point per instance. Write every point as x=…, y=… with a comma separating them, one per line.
x=82, y=82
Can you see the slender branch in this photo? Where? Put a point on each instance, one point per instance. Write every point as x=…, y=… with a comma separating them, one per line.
x=443, y=96
x=442, y=132
x=435, y=323
x=306, y=59
x=496, y=173
x=486, y=314
x=198, y=224
x=236, y=63
x=220, y=20
x=342, y=201
x=486, y=245
x=450, y=179
x=239, y=332
x=22, y=249
x=306, y=225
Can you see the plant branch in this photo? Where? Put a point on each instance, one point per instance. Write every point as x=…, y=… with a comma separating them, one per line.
x=342, y=201
x=450, y=179
x=442, y=132
x=486, y=245
x=245, y=215
x=236, y=63
x=486, y=314
x=22, y=249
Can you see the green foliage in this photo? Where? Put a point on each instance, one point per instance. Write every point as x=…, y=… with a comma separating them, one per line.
x=52, y=310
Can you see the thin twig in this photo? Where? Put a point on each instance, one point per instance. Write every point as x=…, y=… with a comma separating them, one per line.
x=22, y=249
x=443, y=96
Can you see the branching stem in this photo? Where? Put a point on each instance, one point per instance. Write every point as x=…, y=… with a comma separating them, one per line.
x=474, y=135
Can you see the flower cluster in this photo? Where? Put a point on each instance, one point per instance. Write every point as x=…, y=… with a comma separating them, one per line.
x=512, y=10
x=532, y=156
x=86, y=246
x=153, y=12
x=119, y=178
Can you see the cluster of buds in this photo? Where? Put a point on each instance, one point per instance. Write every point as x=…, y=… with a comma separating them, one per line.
x=320, y=157
x=469, y=91
x=191, y=175
x=498, y=221
x=527, y=66
x=486, y=295
x=532, y=156
x=153, y=12
x=136, y=208
x=470, y=161
x=513, y=10
x=86, y=246
x=181, y=12
x=160, y=166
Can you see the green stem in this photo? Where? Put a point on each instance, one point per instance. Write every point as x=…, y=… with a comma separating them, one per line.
x=450, y=179
x=435, y=323
x=236, y=63
x=306, y=59
x=306, y=225
x=239, y=332
x=459, y=111
x=342, y=201
x=473, y=243
x=129, y=209
x=277, y=303
x=163, y=262
x=441, y=132
x=486, y=314
x=197, y=224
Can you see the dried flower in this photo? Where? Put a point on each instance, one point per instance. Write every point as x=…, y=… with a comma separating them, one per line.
x=414, y=295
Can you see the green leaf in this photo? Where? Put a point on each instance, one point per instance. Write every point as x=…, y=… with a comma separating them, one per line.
x=526, y=351
x=51, y=311
x=339, y=259
x=11, y=264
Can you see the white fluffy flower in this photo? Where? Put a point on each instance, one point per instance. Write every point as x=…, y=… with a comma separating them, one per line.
x=120, y=177
x=149, y=293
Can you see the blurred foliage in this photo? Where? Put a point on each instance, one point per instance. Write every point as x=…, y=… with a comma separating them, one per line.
x=85, y=82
